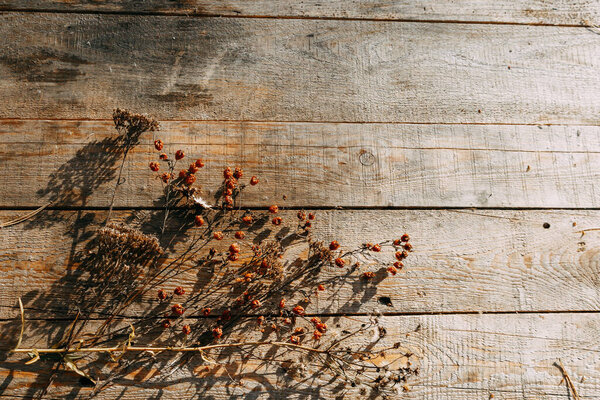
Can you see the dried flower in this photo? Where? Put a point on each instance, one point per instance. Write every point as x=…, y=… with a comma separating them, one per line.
x=154, y=166
x=163, y=156
x=162, y=295
x=239, y=235
x=273, y=209
x=217, y=332
x=334, y=245
x=158, y=144
x=369, y=275
x=277, y=221
x=186, y=330
x=179, y=154
x=234, y=248
x=405, y=237
x=295, y=339
x=166, y=324
x=199, y=163
x=282, y=303
x=198, y=220
x=376, y=248
x=392, y=270
x=340, y=262
x=238, y=173
x=247, y=219
x=227, y=173
x=192, y=168
x=298, y=310
x=254, y=181
x=317, y=335
x=206, y=311
x=321, y=288
x=179, y=291
x=218, y=235
x=255, y=304
x=177, y=309
x=311, y=216
x=190, y=179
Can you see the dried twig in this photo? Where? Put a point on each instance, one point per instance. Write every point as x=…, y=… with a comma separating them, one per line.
x=570, y=384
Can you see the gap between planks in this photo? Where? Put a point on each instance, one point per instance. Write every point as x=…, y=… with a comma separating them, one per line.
x=316, y=122
x=286, y=17
x=327, y=315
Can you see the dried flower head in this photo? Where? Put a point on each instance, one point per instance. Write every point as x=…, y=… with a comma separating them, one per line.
x=179, y=154
x=179, y=291
x=238, y=173
x=127, y=243
x=217, y=332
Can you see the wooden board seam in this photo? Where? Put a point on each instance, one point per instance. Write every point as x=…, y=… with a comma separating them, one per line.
x=290, y=17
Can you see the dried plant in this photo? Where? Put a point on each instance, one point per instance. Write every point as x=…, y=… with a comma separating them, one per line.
x=247, y=295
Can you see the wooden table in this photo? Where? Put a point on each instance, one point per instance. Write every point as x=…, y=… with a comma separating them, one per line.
x=471, y=124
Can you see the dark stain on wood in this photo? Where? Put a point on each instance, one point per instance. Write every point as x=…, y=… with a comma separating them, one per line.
x=45, y=65
x=186, y=95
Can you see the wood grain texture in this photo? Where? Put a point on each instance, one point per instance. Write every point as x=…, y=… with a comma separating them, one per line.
x=460, y=357
x=560, y=12
x=74, y=163
x=297, y=70
x=464, y=261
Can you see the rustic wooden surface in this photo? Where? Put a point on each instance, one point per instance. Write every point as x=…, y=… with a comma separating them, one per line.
x=473, y=125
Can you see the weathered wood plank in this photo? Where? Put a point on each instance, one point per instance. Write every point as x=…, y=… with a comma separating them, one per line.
x=297, y=70
x=74, y=163
x=570, y=12
x=460, y=357
x=464, y=261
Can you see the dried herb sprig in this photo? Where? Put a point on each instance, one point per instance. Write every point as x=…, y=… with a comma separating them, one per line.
x=248, y=277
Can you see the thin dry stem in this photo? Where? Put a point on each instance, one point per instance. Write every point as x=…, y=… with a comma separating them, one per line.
x=25, y=217
x=570, y=384
x=165, y=348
